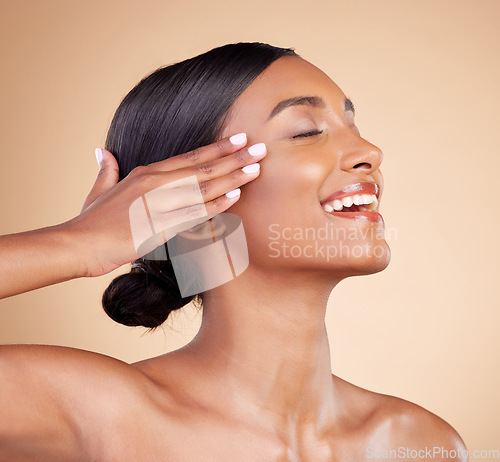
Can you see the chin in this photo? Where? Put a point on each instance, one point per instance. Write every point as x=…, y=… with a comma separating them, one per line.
x=374, y=260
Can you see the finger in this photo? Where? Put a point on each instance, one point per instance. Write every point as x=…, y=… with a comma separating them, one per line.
x=221, y=185
x=182, y=219
x=171, y=196
x=221, y=203
x=216, y=168
x=187, y=186
x=220, y=148
x=187, y=191
x=106, y=179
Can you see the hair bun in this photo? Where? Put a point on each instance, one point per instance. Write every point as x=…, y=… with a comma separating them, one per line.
x=145, y=296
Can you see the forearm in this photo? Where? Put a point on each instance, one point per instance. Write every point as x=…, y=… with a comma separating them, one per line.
x=38, y=258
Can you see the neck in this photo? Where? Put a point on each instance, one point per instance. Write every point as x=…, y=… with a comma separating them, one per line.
x=263, y=348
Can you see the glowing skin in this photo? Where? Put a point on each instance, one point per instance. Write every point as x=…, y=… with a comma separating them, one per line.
x=255, y=384
x=260, y=367
x=299, y=173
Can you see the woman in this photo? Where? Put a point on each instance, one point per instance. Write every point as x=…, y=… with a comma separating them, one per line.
x=255, y=384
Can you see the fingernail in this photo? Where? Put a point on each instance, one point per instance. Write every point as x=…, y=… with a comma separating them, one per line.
x=257, y=149
x=240, y=138
x=99, y=156
x=234, y=193
x=252, y=168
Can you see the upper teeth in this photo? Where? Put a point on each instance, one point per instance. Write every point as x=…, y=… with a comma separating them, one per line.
x=358, y=199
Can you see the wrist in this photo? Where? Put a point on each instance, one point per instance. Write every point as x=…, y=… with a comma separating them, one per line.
x=73, y=249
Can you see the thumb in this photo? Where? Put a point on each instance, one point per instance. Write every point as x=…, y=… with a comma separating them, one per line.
x=107, y=177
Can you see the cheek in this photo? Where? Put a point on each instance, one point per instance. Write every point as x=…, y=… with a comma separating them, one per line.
x=287, y=188
x=284, y=195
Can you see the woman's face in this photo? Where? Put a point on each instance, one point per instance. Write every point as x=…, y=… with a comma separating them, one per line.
x=286, y=225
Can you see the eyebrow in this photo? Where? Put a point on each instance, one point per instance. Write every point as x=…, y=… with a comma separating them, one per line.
x=312, y=101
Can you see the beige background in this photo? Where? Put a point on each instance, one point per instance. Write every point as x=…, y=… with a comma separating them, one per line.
x=423, y=76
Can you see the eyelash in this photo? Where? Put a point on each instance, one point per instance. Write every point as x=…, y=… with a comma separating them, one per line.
x=311, y=133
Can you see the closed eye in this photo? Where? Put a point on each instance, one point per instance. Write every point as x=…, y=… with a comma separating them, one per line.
x=311, y=133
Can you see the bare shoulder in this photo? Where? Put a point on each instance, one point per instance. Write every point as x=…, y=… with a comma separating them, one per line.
x=393, y=423
x=68, y=397
x=72, y=361
x=72, y=375
x=418, y=428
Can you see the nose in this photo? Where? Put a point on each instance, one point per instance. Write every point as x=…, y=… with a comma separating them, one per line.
x=360, y=155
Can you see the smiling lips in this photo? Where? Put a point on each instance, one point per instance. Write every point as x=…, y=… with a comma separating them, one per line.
x=359, y=200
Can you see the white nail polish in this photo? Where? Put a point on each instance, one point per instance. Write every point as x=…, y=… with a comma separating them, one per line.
x=234, y=193
x=257, y=149
x=252, y=168
x=98, y=155
x=240, y=138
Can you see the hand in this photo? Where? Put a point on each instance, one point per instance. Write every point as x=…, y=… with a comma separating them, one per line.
x=108, y=227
